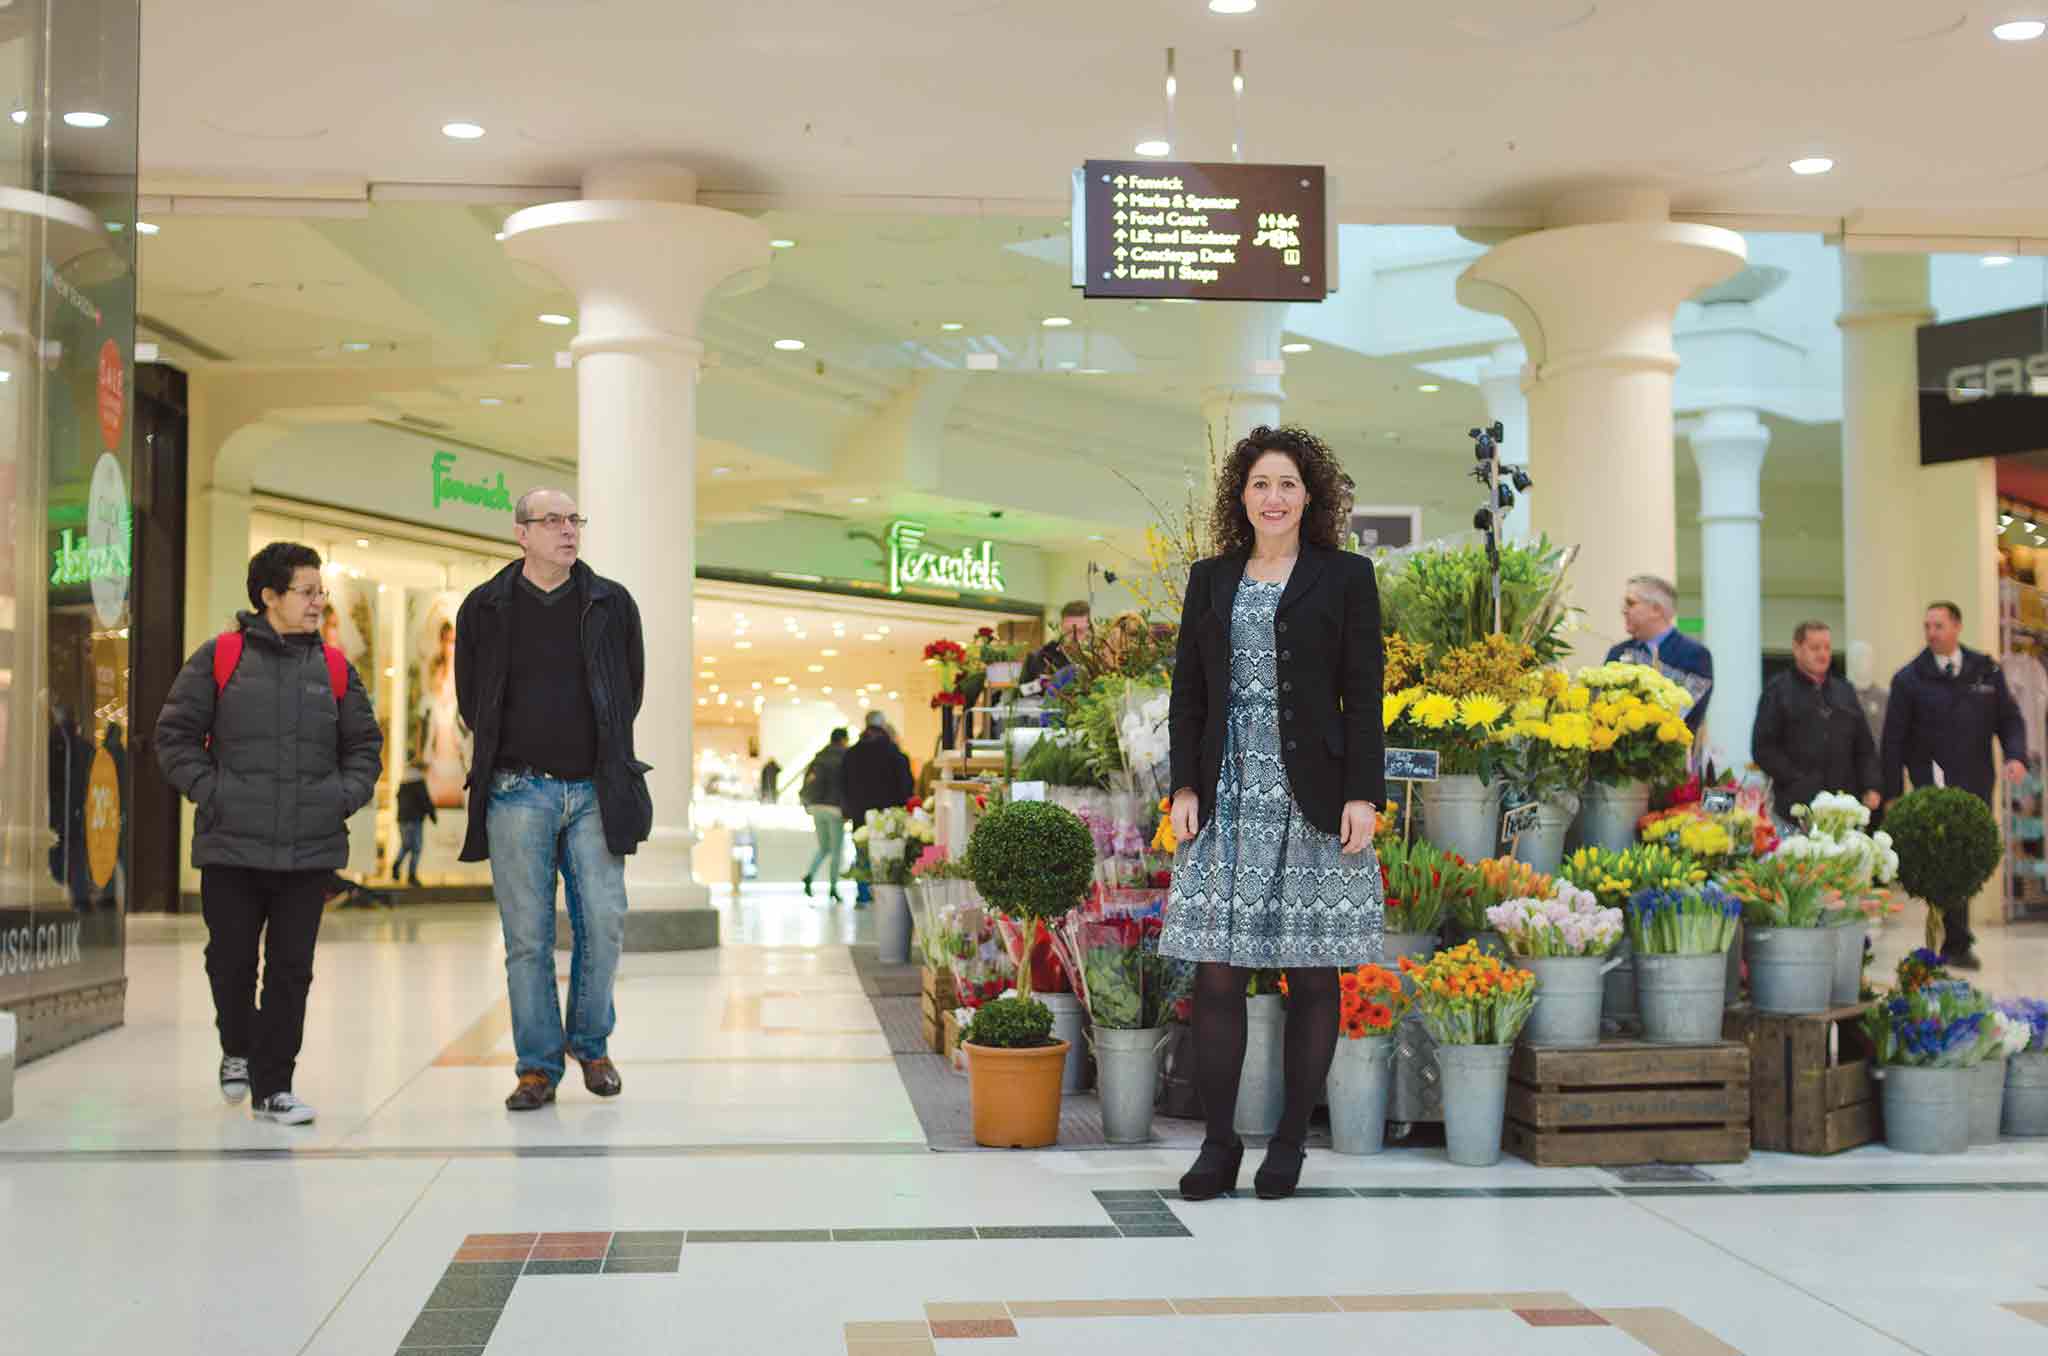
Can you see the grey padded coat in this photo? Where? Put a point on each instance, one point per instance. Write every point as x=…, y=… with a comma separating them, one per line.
x=287, y=765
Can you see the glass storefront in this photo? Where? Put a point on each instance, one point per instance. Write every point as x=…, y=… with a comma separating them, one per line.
x=67, y=328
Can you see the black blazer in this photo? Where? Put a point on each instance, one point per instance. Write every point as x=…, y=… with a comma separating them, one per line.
x=1330, y=666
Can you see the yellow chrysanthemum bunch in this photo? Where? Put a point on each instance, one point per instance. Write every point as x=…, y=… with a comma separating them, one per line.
x=1636, y=729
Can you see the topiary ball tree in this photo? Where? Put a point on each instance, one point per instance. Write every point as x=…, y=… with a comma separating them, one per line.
x=1011, y=1024
x=1948, y=846
x=1032, y=861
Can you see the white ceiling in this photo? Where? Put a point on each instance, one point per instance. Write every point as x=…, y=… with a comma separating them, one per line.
x=1422, y=111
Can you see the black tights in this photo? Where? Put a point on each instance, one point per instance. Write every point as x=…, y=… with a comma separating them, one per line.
x=1309, y=1046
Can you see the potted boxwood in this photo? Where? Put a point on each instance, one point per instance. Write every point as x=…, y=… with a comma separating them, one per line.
x=1948, y=847
x=1031, y=861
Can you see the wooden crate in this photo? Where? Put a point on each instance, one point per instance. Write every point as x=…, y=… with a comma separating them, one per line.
x=1624, y=1102
x=1811, y=1089
x=937, y=987
x=949, y=1038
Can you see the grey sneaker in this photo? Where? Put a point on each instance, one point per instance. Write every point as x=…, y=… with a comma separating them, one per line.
x=285, y=1109
x=234, y=1080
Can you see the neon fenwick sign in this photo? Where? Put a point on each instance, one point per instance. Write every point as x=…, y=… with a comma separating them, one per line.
x=483, y=494
x=971, y=569
x=75, y=562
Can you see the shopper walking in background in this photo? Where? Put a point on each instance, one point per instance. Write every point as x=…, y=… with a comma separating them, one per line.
x=1278, y=757
x=771, y=781
x=415, y=808
x=270, y=733
x=1810, y=735
x=1944, y=710
x=876, y=776
x=549, y=671
x=1649, y=608
x=823, y=791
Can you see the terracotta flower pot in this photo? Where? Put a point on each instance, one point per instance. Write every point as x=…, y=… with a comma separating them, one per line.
x=1015, y=1095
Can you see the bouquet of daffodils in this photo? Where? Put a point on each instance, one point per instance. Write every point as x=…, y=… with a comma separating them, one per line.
x=1942, y=1024
x=1571, y=922
x=1616, y=876
x=1687, y=920
x=1833, y=827
x=1469, y=998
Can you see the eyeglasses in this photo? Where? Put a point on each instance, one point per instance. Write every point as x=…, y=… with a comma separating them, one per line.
x=316, y=593
x=555, y=522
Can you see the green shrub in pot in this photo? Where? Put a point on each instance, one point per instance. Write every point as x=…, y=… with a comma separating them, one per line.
x=1948, y=846
x=1011, y=1024
x=1032, y=861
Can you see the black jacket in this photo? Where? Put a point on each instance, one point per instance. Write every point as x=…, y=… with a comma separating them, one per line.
x=287, y=764
x=1809, y=739
x=415, y=806
x=876, y=776
x=1932, y=719
x=1330, y=664
x=825, y=779
x=614, y=664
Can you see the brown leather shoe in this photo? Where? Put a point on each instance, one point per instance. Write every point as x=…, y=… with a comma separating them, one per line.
x=535, y=1091
x=601, y=1076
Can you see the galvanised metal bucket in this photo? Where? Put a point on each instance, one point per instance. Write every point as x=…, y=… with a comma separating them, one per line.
x=1069, y=1021
x=1461, y=814
x=1608, y=814
x=1987, y=1101
x=1791, y=970
x=1262, y=1086
x=1847, y=988
x=1361, y=1080
x=1127, y=1075
x=2026, y=1097
x=1475, y=1101
x=1926, y=1111
x=1569, y=994
x=1681, y=997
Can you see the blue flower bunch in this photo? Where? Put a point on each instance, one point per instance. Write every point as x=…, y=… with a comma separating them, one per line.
x=1687, y=920
x=1943, y=1024
x=2031, y=1013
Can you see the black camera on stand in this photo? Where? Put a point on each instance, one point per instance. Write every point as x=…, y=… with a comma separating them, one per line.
x=1502, y=483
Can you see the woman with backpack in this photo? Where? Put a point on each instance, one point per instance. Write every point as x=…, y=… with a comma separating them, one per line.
x=270, y=733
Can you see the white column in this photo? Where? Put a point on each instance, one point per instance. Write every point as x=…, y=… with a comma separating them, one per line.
x=1592, y=298
x=1236, y=396
x=641, y=256
x=1500, y=382
x=1910, y=534
x=1728, y=446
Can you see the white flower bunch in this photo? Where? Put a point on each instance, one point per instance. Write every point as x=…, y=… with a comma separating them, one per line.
x=1569, y=923
x=1833, y=812
x=2013, y=1037
x=1143, y=734
x=1834, y=830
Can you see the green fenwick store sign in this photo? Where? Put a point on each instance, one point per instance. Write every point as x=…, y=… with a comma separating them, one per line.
x=971, y=569
x=450, y=488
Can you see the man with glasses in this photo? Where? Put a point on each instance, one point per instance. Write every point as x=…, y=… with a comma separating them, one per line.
x=271, y=734
x=549, y=670
x=1648, y=609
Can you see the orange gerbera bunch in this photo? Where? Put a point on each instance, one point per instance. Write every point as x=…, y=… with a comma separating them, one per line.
x=1468, y=997
x=1372, y=1002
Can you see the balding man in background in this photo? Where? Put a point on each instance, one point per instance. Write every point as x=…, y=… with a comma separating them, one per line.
x=1649, y=609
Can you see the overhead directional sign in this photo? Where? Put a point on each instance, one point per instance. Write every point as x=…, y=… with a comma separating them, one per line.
x=1217, y=232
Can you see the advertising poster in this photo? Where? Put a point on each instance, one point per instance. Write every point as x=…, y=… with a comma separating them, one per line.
x=349, y=624
x=438, y=738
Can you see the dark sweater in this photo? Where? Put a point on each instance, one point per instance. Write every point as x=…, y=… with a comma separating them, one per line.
x=550, y=725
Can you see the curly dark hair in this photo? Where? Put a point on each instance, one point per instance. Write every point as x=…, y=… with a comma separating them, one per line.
x=1326, y=518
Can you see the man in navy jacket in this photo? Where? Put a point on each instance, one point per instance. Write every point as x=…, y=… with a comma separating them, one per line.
x=1944, y=709
x=1647, y=611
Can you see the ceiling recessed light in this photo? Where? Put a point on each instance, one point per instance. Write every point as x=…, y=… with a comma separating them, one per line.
x=1296, y=347
x=951, y=325
x=782, y=244
x=826, y=690
x=1429, y=388
x=829, y=654
x=1232, y=6
x=858, y=499
x=147, y=228
x=1095, y=536
x=1067, y=366
x=555, y=318
x=790, y=345
x=86, y=120
x=883, y=630
x=1995, y=260
x=892, y=696
x=515, y=367
x=743, y=645
x=2019, y=30
x=721, y=470
x=1055, y=322
x=1812, y=164
x=363, y=542
x=461, y=131
x=20, y=116
x=870, y=635
x=1153, y=149
x=757, y=687
x=814, y=668
x=489, y=400
x=709, y=659
x=355, y=346
x=498, y=235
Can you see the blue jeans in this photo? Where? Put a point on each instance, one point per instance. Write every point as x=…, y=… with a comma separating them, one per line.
x=540, y=827
x=412, y=836
x=831, y=827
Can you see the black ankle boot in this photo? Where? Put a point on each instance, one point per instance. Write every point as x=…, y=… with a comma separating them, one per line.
x=1281, y=1172
x=1214, y=1173
x=807, y=887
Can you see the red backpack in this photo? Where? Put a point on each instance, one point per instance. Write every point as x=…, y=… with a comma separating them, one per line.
x=227, y=653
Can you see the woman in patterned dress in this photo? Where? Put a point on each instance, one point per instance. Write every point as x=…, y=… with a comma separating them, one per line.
x=1279, y=771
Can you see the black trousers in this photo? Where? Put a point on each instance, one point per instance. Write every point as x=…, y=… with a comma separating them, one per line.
x=239, y=904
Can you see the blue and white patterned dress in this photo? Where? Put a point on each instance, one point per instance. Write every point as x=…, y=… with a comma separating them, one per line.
x=1260, y=886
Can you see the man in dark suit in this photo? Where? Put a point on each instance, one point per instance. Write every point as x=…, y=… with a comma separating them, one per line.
x=1810, y=734
x=1648, y=610
x=1944, y=709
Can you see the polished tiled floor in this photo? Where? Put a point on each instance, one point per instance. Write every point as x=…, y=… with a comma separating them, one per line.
x=763, y=1187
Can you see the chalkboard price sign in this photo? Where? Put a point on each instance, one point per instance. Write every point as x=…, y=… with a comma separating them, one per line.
x=1412, y=765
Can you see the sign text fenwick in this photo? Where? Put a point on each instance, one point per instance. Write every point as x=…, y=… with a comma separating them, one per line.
x=484, y=494
x=971, y=569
